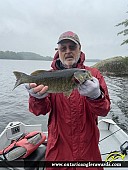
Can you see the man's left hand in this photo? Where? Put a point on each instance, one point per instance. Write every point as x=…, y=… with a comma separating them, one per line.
x=90, y=88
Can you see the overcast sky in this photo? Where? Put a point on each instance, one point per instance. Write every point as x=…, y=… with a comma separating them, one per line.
x=35, y=25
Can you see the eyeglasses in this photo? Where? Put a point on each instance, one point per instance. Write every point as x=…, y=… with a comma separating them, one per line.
x=70, y=47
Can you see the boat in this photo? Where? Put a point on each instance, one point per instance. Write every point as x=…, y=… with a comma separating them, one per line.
x=113, y=145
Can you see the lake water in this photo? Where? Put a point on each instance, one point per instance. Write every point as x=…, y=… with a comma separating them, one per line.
x=14, y=104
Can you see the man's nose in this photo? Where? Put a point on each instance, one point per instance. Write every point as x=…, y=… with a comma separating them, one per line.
x=68, y=50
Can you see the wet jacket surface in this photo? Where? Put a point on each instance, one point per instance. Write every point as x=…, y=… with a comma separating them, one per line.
x=73, y=134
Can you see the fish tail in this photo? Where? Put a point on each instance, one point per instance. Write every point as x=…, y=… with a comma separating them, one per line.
x=20, y=78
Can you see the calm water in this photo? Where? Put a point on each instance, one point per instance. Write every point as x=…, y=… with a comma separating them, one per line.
x=14, y=104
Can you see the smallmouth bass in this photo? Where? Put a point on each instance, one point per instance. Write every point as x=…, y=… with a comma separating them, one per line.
x=58, y=81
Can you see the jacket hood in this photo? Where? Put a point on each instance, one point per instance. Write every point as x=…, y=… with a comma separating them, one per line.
x=80, y=63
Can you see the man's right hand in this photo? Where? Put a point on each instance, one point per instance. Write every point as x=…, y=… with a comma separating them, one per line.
x=41, y=89
x=37, y=91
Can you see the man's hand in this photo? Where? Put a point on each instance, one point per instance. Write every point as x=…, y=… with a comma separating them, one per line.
x=37, y=91
x=90, y=88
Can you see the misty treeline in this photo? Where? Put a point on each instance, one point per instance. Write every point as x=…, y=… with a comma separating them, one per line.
x=23, y=56
x=10, y=55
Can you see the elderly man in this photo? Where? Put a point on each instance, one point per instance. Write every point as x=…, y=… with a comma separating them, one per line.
x=73, y=134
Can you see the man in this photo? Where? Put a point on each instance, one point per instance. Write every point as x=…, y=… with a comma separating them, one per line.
x=73, y=134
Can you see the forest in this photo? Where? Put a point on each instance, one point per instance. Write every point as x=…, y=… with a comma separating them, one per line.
x=23, y=56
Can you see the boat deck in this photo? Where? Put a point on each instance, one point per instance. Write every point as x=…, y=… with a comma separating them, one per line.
x=108, y=143
x=111, y=138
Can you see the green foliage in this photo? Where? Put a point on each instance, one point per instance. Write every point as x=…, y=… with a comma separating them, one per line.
x=125, y=60
x=117, y=66
x=125, y=31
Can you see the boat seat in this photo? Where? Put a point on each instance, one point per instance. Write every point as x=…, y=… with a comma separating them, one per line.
x=37, y=155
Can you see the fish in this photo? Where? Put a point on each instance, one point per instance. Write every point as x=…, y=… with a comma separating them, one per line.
x=58, y=81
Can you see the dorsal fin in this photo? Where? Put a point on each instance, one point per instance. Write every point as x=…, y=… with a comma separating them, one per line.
x=38, y=72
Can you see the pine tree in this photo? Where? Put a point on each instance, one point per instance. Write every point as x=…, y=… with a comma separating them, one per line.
x=125, y=31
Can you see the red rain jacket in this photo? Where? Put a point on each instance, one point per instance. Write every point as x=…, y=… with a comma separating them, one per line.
x=73, y=134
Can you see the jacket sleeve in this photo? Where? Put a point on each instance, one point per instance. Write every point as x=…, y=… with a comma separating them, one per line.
x=39, y=106
x=100, y=107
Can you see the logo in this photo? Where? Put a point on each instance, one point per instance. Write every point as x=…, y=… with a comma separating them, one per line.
x=115, y=155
